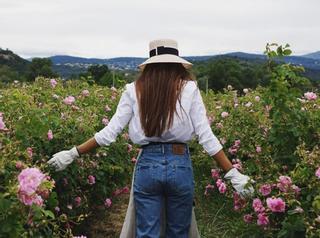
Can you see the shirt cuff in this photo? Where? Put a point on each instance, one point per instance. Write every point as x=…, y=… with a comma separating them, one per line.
x=98, y=139
x=215, y=150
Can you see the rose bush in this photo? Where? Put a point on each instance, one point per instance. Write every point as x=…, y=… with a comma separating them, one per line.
x=271, y=134
x=43, y=118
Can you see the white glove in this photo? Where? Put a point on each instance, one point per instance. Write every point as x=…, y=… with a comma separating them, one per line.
x=63, y=158
x=238, y=181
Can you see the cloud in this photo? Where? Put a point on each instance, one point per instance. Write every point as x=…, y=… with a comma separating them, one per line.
x=124, y=28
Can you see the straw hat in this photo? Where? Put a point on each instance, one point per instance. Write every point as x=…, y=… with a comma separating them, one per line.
x=164, y=51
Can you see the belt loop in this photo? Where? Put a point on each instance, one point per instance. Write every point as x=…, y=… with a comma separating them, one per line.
x=162, y=147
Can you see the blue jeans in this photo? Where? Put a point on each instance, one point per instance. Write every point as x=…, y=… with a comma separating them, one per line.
x=163, y=180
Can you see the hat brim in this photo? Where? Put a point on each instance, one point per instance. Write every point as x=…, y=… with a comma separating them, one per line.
x=165, y=58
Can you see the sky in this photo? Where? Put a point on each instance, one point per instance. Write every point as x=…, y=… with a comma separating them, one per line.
x=117, y=28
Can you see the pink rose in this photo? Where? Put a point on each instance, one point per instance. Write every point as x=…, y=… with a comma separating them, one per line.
x=53, y=83
x=263, y=219
x=69, y=100
x=215, y=173
x=265, y=189
x=258, y=149
x=284, y=183
x=224, y=114
x=85, y=93
x=233, y=150
x=218, y=182
x=19, y=165
x=108, y=202
x=238, y=201
x=237, y=142
x=257, y=205
x=2, y=125
x=29, y=181
x=91, y=179
x=50, y=135
x=105, y=121
x=310, y=96
x=222, y=187
x=318, y=172
x=276, y=204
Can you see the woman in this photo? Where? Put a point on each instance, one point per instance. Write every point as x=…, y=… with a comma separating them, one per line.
x=164, y=109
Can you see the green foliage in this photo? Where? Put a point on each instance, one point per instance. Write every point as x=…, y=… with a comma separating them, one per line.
x=30, y=112
x=40, y=67
x=101, y=75
x=288, y=127
x=8, y=75
x=224, y=71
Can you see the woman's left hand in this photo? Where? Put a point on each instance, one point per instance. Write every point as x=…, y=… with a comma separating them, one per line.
x=239, y=182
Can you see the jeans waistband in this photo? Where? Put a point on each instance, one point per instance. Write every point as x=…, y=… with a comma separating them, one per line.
x=164, y=147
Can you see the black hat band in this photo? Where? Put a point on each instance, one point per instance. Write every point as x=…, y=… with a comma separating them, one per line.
x=163, y=50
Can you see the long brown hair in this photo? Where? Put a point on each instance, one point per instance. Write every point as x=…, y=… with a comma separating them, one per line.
x=158, y=87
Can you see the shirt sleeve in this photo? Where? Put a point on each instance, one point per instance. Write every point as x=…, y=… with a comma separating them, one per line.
x=118, y=121
x=201, y=125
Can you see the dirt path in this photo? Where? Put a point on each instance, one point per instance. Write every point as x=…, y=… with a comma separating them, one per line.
x=109, y=224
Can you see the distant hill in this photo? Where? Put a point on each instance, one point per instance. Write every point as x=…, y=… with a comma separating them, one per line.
x=133, y=62
x=67, y=66
x=13, y=61
x=315, y=55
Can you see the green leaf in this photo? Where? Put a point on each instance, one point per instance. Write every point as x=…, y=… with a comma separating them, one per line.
x=287, y=52
x=48, y=213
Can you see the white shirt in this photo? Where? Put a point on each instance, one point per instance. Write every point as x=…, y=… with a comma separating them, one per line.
x=194, y=123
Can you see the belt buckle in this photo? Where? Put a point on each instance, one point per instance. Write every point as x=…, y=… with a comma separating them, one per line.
x=178, y=149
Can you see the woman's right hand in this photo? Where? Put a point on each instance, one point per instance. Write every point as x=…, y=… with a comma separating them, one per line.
x=63, y=158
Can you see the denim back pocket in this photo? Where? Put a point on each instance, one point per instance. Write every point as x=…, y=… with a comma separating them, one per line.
x=144, y=175
x=183, y=175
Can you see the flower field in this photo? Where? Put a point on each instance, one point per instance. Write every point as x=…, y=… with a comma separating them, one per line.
x=271, y=134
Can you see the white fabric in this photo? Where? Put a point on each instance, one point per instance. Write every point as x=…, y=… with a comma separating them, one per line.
x=63, y=158
x=129, y=225
x=194, y=123
x=164, y=58
x=239, y=181
x=184, y=128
